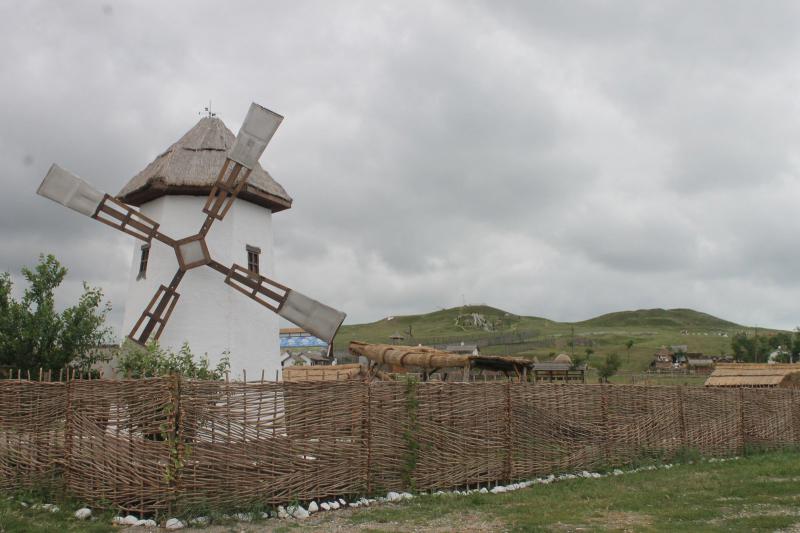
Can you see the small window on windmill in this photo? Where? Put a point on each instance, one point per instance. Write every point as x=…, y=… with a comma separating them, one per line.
x=143, y=261
x=252, y=258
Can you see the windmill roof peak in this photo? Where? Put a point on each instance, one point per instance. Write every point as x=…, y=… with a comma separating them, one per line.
x=190, y=167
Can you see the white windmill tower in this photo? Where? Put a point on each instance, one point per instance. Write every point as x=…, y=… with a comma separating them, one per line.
x=203, y=173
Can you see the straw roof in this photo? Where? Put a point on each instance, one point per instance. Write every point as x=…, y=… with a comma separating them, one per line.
x=754, y=375
x=191, y=165
x=562, y=358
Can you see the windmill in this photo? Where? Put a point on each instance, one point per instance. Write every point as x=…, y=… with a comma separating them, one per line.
x=192, y=251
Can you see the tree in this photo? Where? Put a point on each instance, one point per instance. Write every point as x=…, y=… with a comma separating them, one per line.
x=609, y=367
x=750, y=349
x=33, y=334
x=628, y=346
x=743, y=347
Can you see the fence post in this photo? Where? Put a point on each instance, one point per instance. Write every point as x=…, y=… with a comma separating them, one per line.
x=367, y=437
x=605, y=445
x=176, y=449
x=741, y=420
x=682, y=406
x=509, y=436
x=795, y=418
x=68, y=429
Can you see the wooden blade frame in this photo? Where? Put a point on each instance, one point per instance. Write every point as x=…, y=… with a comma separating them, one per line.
x=123, y=217
x=263, y=290
x=157, y=312
x=225, y=190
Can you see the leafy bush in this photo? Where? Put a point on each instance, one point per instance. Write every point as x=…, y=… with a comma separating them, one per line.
x=152, y=360
x=34, y=335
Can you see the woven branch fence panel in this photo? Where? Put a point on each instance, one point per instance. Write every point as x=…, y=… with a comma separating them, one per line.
x=713, y=420
x=389, y=458
x=115, y=448
x=770, y=418
x=32, y=420
x=462, y=434
x=555, y=428
x=159, y=443
x=270, y=443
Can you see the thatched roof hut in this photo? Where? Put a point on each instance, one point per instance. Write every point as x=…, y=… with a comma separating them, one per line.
x=755, y=375
x=562, y=358
x=190, y=167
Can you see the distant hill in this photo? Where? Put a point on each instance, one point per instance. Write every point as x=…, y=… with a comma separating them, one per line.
x=500, y=332
x=472, y=322
x=677, y=318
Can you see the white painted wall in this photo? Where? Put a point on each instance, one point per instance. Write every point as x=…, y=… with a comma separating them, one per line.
x=210, y=315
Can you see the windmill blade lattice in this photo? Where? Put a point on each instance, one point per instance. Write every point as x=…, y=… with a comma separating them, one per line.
x=258, y=128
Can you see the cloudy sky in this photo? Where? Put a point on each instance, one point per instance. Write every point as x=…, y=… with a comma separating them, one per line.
x=559, y=159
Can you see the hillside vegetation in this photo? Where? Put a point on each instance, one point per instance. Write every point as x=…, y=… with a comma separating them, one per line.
x=680, y=318
x=502, y=332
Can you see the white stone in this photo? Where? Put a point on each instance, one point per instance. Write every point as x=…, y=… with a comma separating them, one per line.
x=312, y=507
x=342, y=502
x=199, y=520
x=618, y=472
x=174, y=523
x=325, y=506
x=234, y=323
x=243, y=517
x=299, y=512
x=118, y=520
x=282, y=512
x=407, y=495
x=130, y=520
x=353, y=504
x=498, y=489
x=146, y=523
x=484, y=490
x=335, y=505
x=393, y=497
x=83, y=513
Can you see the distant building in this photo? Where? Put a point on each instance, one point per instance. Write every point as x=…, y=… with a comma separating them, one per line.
x=296, y=339
x=663, y=359
x=306, y=358
x=464, y=349
x=700, y=366
x=760, y=375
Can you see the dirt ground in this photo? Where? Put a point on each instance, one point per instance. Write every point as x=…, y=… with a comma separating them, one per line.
x=339, y=521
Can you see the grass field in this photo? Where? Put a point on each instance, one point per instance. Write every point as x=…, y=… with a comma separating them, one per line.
x=648, y=328
x=755, y=493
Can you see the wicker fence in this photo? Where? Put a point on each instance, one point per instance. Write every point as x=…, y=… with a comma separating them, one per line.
x=153, y=444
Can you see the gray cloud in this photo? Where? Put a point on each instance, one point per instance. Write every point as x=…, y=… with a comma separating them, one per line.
x=554, y=159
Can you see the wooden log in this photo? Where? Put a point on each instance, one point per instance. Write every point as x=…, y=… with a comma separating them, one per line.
x=406, y=356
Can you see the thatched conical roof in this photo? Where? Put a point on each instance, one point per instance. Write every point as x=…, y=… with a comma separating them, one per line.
x=563, y=358
x=190, y=167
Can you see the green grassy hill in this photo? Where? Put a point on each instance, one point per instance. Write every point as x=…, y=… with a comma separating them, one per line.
x=503, y=333
x=681, y=318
